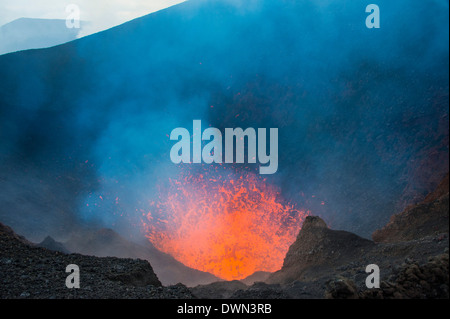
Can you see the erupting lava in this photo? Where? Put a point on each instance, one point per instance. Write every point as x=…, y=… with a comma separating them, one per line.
x=226, y=225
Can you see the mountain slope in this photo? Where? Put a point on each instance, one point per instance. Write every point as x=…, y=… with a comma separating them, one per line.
x=37, y=273
x=424, y=219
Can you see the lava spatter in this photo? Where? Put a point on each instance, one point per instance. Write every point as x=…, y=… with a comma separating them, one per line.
x=228, y=224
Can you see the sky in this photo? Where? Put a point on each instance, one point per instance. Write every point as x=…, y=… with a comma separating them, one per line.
x=102, y=14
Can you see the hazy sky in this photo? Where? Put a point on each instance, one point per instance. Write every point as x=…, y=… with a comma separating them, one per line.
x=101, y=13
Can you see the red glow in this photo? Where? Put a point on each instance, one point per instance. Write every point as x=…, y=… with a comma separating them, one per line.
x=226, y=225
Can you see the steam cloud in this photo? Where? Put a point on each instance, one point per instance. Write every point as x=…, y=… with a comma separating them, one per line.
x=84, y=127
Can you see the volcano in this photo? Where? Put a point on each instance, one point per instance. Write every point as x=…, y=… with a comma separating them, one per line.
x=362, y=115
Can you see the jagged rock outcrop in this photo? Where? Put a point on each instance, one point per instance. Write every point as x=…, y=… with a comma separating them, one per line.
x=332, y=263
x=319, y=249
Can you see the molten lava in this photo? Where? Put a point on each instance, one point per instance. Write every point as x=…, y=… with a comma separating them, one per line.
x=226, y=225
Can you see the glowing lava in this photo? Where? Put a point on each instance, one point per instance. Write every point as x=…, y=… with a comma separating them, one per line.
x=226, y=225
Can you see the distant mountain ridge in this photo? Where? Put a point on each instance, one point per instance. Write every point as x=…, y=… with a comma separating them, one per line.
x=28, y=33
x=51, y=244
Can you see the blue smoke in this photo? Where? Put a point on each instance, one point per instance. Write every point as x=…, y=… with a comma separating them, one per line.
x=359, y=110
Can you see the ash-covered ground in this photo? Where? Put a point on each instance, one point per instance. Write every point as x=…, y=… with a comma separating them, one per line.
x=28, y=271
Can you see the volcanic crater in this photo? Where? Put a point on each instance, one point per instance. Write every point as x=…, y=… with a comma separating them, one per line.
x=412, y=251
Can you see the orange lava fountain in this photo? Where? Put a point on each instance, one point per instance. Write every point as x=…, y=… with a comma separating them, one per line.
x=228, y=226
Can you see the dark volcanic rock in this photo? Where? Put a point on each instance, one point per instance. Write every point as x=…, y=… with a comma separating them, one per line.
x=319, y=253
x=341, y=288
x=29, y=271
x=139, y=274
x=259, y=276
x=431, y=217
x=218, y=290
x=427, y=281
x=108, y=243
x=261, y=290
x=328, y=263
x=319, y=248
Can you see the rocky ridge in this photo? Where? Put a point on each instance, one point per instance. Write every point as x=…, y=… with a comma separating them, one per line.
x=29, y=271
